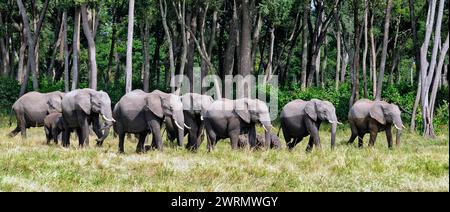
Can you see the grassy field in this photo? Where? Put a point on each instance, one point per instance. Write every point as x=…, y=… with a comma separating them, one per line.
x=31, y=165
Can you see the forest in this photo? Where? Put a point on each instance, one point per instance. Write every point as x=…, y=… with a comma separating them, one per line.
x=336, y=50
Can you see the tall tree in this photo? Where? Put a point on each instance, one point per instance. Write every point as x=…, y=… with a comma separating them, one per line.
x=129, y=60
x=428, y=67
x=88, y=33
x=366, y=46
x=387, y=19
x=66, y=53
x=75, y=48
x=31, y=40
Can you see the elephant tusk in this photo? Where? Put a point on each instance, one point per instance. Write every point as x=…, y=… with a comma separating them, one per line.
x=403, y=126
x=179, y=127
x=187, y=127
x=201, y=118
x=107, y=119
x=398, y=128
x=265, y=129
x=335, y=122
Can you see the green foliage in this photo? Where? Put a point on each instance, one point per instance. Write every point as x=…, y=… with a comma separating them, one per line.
x=340, y=98
x=9, y=90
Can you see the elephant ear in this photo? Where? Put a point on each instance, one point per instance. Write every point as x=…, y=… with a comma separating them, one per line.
x=310, y=109
x=242, y=110
x=154, y=105
x=54, y=105
x=376, y=112
x=83, y=100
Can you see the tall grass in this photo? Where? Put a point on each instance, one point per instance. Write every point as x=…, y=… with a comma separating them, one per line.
x=31, y=165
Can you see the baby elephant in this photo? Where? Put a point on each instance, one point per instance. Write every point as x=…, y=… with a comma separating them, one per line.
x=371, y=117
x=53, y=125
x=260, y=141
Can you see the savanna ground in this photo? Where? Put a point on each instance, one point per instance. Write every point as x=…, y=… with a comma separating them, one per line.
x=418, y=165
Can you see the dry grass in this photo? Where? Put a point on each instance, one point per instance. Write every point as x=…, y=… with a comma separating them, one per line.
x=31, y=165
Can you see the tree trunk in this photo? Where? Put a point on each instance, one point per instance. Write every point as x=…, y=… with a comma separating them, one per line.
x=395, y=54
x=4, y=52
x=31, y=40
x=129, y=59
x=255, y=40
x=245, y=63
x=324, y=63
x=76, y=48
x=384, y=51
x=91, y=48
x=373, y=57
x=338, y=48
x=113, y=45
x=356, y=44
x=229, y=61
x=156, y=57
x=428, y=69
x=163, y=11
x=66, y=53
x=191, y=50
x=269, y=68
x=146, y=49
x=366, y=46
x=304, y=47
x=21, y=66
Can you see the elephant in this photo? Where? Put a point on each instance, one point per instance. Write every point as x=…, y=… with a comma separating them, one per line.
x=32, y=108
x=302, y=118
x=368, y=116
x=194, y=109
x=140, y=113
x=53, y=126
x=227, y=118
x=83, y=107
x=260, y=140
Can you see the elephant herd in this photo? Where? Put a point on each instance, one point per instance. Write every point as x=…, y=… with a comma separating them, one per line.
x=141, y=113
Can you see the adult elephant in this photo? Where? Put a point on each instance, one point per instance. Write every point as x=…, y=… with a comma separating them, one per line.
x=230, y=118
x=302, y=118
x=194, y=109
x=32, y=108
x=368, y=116
x=140, y=113
x=83, y=107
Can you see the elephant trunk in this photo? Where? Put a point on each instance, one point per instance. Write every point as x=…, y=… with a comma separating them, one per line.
x=107, y=128
x=267, y=127
x=333, y=135
x=178, y=119
x=397, y=139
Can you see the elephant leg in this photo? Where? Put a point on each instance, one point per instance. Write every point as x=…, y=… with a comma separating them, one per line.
x=66, y=138
x=360, y=140
x=156, y=132
x=192, y=140
x=310, y=145
x=83, y=137
x=234, y=138
x=389, y=137
x=140, y=146
x=14, y=132
x=121, y=142
x=373, y=137
x=23, y=127
x=289, y=142
x=354, y=134
x=313, y=132
x=79, y=133
x=48, y=135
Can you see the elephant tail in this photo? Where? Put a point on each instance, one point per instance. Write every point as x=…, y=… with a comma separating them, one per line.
x=10, y=117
